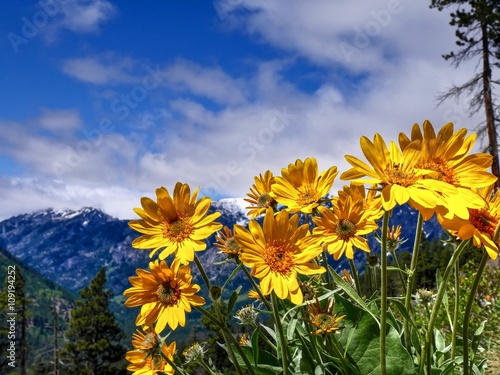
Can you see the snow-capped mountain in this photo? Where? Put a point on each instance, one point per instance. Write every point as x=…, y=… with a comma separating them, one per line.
x=69, y=247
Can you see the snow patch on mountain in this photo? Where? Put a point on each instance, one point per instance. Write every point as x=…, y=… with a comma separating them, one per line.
x=234, y=208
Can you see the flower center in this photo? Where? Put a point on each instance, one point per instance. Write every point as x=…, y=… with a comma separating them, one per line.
x=157, y=362
x=325, y=322
x=232, y=246
x=278, y=258
x=168, y=295
x=150, y=340
x=345, y=229
x=396, y=176
x=483, y=221
x=177, y=230
x=307, y=195
x=445, y=173
x=264, y=200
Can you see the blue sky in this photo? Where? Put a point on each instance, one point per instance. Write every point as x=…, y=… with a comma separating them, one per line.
x=103, y=101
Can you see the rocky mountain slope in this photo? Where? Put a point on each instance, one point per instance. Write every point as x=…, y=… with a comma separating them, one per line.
x=69, y=247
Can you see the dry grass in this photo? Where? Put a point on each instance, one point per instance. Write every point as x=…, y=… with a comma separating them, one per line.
x=493, y=356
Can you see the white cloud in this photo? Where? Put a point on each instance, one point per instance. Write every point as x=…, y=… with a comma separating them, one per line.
x=60, y=120
x=360, y=37
x=79, y=16
x=86, y=15
x=101, y=70
x=208, y=82
x=262, y=120
x=26, y=195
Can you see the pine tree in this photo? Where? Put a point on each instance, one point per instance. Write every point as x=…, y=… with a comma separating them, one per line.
x=93, y=337
x=477, y=25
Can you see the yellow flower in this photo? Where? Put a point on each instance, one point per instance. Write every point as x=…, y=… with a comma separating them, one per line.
x=372, y=204
x=151, y=362
x=394, y=239
x=146, y=341
x=259, y=196
x=227, y=244
x=177, y=224
x=164, y=293
x=447, y=156
x=244, y=340
x=299, y=188
x=278, y=252
x=396, y=173
x=323, y=319
x=253, y=294
x=481, y=224
x=342, y=227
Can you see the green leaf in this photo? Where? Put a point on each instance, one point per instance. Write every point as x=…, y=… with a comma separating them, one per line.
x=255, y=345
x=392, y=268
x=363, y=331
x=291, y=329
x=269, y=364
x=270, y=331
x=232, y=300
x=233, y=274
x=402, y=310
x=477, y=339
x=348, y=289
x=439, y=339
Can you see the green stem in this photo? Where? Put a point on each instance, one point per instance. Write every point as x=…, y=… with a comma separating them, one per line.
x=281, y=333
x=383, y=294
x=265, y=338
x=347, y=369
x=209, y=371
x=203, y=273
x=177, y=369
x=439, y=298
x=256, y=288
x=229, y=339
x=456, y=310
x=468, y=308
x=327, y=273
x=370, y=279
x=396, y=262
x=355, y=276
x=411, y=280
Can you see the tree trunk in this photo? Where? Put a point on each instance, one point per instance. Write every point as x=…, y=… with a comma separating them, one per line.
x=56, y=346
x=488, y=105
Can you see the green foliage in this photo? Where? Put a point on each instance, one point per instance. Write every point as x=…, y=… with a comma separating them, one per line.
x=93, y=337
x=215, y=336
x=39, y=294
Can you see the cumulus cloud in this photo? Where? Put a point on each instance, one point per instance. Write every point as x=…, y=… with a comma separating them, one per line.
x=357, y=37
x=59, y=120
x=208, y=82
x=101, y=70
x=79, y=16
x=213, y=129
x=26, y=195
